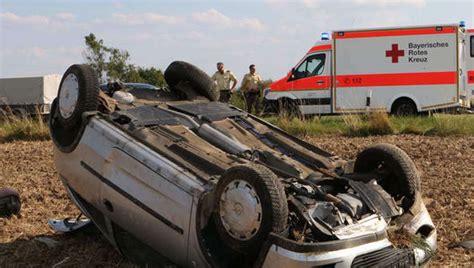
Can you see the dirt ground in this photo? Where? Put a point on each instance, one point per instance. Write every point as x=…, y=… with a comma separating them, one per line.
x=446, y=164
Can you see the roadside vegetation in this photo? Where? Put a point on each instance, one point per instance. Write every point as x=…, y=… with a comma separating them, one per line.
x=360, y=125
x=378, y=124
x=28, y=129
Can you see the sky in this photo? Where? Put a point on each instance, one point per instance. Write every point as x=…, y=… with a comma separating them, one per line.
x=45, y=37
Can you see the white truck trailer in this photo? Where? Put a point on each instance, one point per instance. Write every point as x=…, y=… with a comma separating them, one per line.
x=28, y=95
x=398, y=70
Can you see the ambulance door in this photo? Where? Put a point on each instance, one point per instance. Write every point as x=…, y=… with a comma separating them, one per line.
x=470, y=66
x=311, y=84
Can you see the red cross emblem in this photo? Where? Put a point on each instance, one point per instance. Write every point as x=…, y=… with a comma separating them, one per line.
x=394, y=53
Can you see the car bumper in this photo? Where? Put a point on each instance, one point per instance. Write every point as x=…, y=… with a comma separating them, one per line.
x=281, y=257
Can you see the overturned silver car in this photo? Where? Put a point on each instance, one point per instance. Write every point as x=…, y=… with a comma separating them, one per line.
x=176, y=177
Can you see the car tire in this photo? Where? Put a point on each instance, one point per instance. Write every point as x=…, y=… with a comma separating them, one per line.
x=252, y=184
x=401, y=178
x=78, y=93
x=182, y=72
x=66, y=127
x=404, y=107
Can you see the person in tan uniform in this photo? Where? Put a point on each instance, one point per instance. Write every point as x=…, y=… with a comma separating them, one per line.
x=250, y=88
x=223, y=78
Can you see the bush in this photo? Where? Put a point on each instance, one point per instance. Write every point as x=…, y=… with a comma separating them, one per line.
x=365, y=125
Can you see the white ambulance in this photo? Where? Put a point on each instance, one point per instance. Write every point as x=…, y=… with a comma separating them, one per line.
x=402, y=71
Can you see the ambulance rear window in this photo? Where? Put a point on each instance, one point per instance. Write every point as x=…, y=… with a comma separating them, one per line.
x=472, y=46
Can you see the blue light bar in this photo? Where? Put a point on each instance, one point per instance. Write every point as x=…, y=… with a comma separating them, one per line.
x=325, y=36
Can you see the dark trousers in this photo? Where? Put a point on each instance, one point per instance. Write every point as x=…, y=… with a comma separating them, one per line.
x=252, y=99
x=225, y=96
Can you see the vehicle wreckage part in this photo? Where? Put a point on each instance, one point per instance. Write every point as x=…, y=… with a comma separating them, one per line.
x=220, y=140
x=386, y=257
x=422, y=225
x=78, y=93
x=68, y=225
x=10, y=202
x=207, y=111
x=299, y=256
x=255, y=189
x=376, y=198
x=270, y=139
x=180, y=71
x=399, y=175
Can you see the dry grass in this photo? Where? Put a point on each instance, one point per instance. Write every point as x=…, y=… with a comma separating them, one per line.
x=28, y=129
x=365, y=125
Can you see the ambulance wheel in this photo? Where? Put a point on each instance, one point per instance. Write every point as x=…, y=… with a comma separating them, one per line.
x=183, y=72
x=404, y=107
x=399, y=176
x=289, y=107
x=250, y=203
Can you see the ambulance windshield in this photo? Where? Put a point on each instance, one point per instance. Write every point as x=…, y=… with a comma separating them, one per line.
x=313, y=65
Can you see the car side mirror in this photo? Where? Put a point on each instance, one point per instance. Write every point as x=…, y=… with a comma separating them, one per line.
x=292, y=73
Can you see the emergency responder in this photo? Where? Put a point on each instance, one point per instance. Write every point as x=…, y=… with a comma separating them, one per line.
x=223, y=78
x=250, y=88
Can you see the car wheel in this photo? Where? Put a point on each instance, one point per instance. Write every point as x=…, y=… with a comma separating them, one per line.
x=404, y=107
x=250, y=203
x=78, y=93
x=183, y=72
x=399, y=176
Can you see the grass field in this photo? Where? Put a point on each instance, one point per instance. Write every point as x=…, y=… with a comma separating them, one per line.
x=378, y=124
x=34, y=129
x=27, y=129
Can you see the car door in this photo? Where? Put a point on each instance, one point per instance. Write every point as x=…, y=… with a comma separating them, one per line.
x=311, y=83
x=139, y=195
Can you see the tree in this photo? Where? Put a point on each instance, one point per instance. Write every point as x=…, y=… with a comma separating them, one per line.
x=96, y=54
x=152, y=76
x=133, y=76
x=117, y=66
x=113, y=63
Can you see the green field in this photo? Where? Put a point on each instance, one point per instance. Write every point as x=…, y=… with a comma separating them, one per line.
x=346, y=125
x=28, y=129
x=378, y=124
